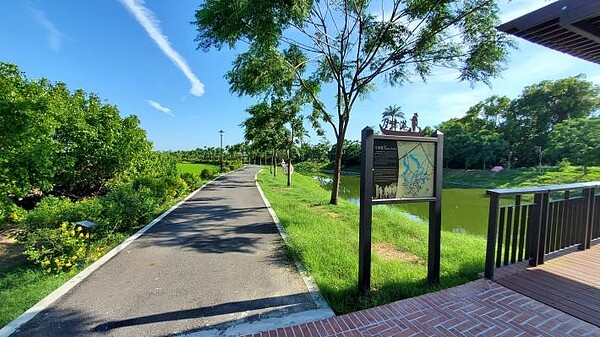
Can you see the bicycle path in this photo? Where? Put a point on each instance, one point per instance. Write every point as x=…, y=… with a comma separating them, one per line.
x=215, y=262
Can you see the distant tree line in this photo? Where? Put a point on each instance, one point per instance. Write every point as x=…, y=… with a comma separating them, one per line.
x=549, y=122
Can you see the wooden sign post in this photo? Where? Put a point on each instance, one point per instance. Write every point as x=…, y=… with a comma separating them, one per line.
x=401, y=167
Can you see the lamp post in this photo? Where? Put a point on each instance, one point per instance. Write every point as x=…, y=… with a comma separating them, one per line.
x=221, y=132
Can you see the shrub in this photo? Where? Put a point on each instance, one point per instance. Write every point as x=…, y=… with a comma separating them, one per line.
x=175, y=187
x=48, y=213
x=192, y=180
x=206, y=174
x=124, y=208
x=56, y=250
x=10, y=213
x=564, y=165
x=51, y=211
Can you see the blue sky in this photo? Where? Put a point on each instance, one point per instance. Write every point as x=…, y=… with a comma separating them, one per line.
x=141, y=57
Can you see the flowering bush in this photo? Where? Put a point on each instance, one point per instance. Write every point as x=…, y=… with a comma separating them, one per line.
x=57, y=249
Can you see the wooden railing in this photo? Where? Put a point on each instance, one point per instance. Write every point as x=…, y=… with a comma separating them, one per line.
x=528, y=223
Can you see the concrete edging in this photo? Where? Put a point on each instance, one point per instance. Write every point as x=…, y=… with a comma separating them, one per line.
x=44, y=303
x=312, y=286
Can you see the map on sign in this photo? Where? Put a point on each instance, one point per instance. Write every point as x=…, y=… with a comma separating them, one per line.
x=416, y=169
x=403, y=169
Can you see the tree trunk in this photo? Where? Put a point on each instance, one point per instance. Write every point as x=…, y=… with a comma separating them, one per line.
x=289, y=160
x=289, y=169
x=337, y=169
x=274, y=162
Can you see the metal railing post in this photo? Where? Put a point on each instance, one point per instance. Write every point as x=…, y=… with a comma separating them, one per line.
x=588, y=229
x=543, y=227
x=491, y=236
x=533, y=232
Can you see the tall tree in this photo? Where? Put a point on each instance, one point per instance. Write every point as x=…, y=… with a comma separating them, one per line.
x=532, y=116
x=265, y=130
x=577, y=140
x=350, y=44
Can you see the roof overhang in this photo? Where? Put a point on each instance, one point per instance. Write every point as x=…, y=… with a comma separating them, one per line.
x=569, y=26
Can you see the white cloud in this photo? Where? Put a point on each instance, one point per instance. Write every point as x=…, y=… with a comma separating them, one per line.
x=146, y=19
x=160, y=108
x=53, y=35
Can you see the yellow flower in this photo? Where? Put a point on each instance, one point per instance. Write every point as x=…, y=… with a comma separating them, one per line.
x=80, y=235
x=78, y=228
x=68, y=264
x=72, y=232
x=63, y=225
x=48, y=270
x=74, y=257
x=87, y=235
x=14, y=217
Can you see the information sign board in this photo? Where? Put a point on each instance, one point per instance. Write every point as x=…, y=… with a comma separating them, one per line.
x=403, y=169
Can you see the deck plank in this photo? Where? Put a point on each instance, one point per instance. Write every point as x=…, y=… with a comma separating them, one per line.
x=569, y=283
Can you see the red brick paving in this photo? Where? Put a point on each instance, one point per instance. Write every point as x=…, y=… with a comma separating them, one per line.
x=480, y=308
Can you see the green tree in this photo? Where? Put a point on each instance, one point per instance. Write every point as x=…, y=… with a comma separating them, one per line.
x=532, y=116
x=265, y=130
x=472, y=141
x=577, y=140
x=350, y=45
x=315, y=152
x=56, y=142
x=27, y=148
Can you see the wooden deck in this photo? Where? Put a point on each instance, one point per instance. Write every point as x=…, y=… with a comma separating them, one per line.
x=569, y=283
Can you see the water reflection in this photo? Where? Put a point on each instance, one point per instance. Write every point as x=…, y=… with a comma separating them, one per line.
x=464, y=210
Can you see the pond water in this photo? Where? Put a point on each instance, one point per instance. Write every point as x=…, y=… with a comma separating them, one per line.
x=463, y=209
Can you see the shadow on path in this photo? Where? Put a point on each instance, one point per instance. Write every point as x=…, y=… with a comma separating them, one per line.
x=290, y=303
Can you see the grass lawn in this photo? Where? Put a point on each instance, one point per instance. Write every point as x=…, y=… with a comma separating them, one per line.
x=195, y=168
x=325, y=239
x=23, y=286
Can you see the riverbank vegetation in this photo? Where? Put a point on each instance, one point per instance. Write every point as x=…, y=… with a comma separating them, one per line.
x=521, y=177
x=325, y=239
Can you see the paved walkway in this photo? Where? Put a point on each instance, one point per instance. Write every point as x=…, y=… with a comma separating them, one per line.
x=214, y=262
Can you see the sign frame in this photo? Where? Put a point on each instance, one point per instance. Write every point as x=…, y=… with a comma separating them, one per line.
x=367, y=201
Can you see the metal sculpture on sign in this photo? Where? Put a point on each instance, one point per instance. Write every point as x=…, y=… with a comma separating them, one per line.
x=394, y=127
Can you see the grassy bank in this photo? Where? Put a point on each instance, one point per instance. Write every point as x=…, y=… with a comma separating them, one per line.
x=521, y=177
x=325, y=239
x=195, y=168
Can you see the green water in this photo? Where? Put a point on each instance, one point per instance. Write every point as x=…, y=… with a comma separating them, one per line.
x=463, y=209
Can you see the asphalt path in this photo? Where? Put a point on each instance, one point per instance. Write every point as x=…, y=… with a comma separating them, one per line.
x=214, y=262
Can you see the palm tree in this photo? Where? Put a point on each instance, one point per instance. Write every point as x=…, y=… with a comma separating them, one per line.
x=390, y=116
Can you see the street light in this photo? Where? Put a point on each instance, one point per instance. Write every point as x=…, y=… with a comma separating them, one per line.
x=221, y=132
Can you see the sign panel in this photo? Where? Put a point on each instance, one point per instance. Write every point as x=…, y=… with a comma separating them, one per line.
x=403, y=169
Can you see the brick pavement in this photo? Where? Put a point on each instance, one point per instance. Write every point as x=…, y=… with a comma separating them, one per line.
x=479, y=308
